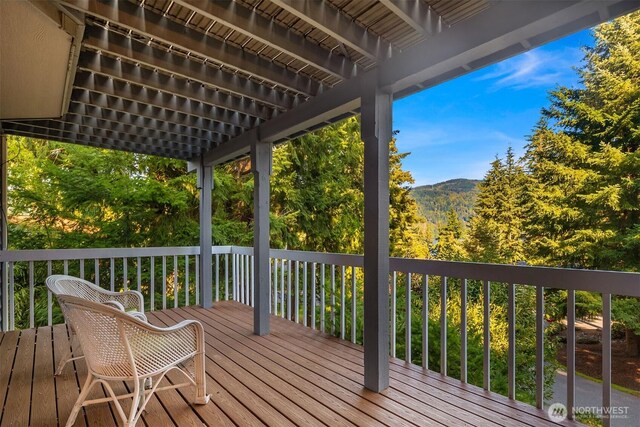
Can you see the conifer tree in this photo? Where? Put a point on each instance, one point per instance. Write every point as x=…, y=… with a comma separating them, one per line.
x=496, y=228
x=584, y=161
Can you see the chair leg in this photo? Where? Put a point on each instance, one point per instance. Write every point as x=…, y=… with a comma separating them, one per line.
x=65, y=358
x=88, y=385
x=201, y=397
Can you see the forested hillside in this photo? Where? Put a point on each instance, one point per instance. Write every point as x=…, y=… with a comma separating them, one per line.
x=435, y=201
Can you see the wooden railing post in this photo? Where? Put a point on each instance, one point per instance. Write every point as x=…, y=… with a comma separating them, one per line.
x=261, y=167
x=206, y=186
x=376, y=110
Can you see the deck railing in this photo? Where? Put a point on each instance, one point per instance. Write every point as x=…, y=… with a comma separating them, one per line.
x=324, y=291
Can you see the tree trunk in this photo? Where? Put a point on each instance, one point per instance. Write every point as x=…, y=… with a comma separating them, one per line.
x=633, y=343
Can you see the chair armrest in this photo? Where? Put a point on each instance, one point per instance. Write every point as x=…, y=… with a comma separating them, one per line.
x=155, y=348
x=131, y=300
x=114, y=304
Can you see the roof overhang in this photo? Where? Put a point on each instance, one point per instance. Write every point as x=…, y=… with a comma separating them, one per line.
x=203, y=80
x=39, y=45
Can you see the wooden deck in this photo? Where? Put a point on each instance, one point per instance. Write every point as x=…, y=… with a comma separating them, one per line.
x=295, y=376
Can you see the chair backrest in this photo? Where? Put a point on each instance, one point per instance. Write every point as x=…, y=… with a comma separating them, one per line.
x=101, y=334
x=60, y=284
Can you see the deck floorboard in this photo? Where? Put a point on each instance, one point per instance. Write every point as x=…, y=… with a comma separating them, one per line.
x=294, y=376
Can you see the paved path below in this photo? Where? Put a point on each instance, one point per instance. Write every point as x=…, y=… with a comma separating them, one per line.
x=589, y=393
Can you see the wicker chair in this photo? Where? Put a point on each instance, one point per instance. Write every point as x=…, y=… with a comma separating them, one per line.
x=120, y=347
x=129, y=301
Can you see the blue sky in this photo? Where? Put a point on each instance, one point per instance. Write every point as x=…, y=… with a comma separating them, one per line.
x=456, y=129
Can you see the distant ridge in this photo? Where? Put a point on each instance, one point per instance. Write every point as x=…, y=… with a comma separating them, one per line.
x=436, y=200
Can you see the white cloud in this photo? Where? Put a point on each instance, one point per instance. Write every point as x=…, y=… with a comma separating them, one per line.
x=536, y=68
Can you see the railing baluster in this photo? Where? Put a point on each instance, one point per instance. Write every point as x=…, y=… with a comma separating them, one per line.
x=392, y=315
x=240, y=273
x=443, y=326
x=247, y=279
x=164, y=282
x=407, y=328
x=275, y=286
x=571, y=352
x=304, y=294
x=253, y=281
x=342, y=303
x=175, y=281
x=226, y=277
x=152, y=280
x=289, y=264
x=49, y=299
x=234, y=275
x=217, y=278
x=32, y=297
x=333, y=299
x=606, y=360
x=125, y=279
x=139, y=274
x=282, y=264
x=112, y=274
x=425, y=321
x=539, y=347
x=313, y=295
x=354, y=300
x=186, y=281
x=463, y=331
x=511, y=358
x=270, y=287
x=322, y=298
x=486, y=362
x=297, y=291
x=82, y=268
x=12, y=299
x=65, y=264
x=96, y=271
x=196, y=267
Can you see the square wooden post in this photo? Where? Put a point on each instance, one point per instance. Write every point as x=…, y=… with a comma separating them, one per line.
x=376, y=110
x=261, y=153
x=205, y=176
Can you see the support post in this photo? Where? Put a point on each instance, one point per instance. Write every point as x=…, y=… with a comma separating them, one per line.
x=261, y=167
x=376, y=110
x=205, y=177
x=4, y=296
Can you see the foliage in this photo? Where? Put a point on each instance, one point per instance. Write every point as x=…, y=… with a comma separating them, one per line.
x=496, y=232
x=449, y=243
x=583, y=159
x=436, y=200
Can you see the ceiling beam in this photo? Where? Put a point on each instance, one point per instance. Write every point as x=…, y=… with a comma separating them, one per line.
x=134, y=108
x=74, y=129
x=154, y=25
x=416, y=14
x=331, y=21
x=54, y=135
x=128, y=128
x=121, y=89
x=99, y=38
x=503, y=30
x=104, y=112
x=251, y=24
x=142, y=76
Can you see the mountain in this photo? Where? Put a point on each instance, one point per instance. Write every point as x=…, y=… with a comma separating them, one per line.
x=435, y=200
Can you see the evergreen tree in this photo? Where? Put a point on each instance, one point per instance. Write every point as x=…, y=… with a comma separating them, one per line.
x=449, y=244
x=583, y=159
x=496, y=228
